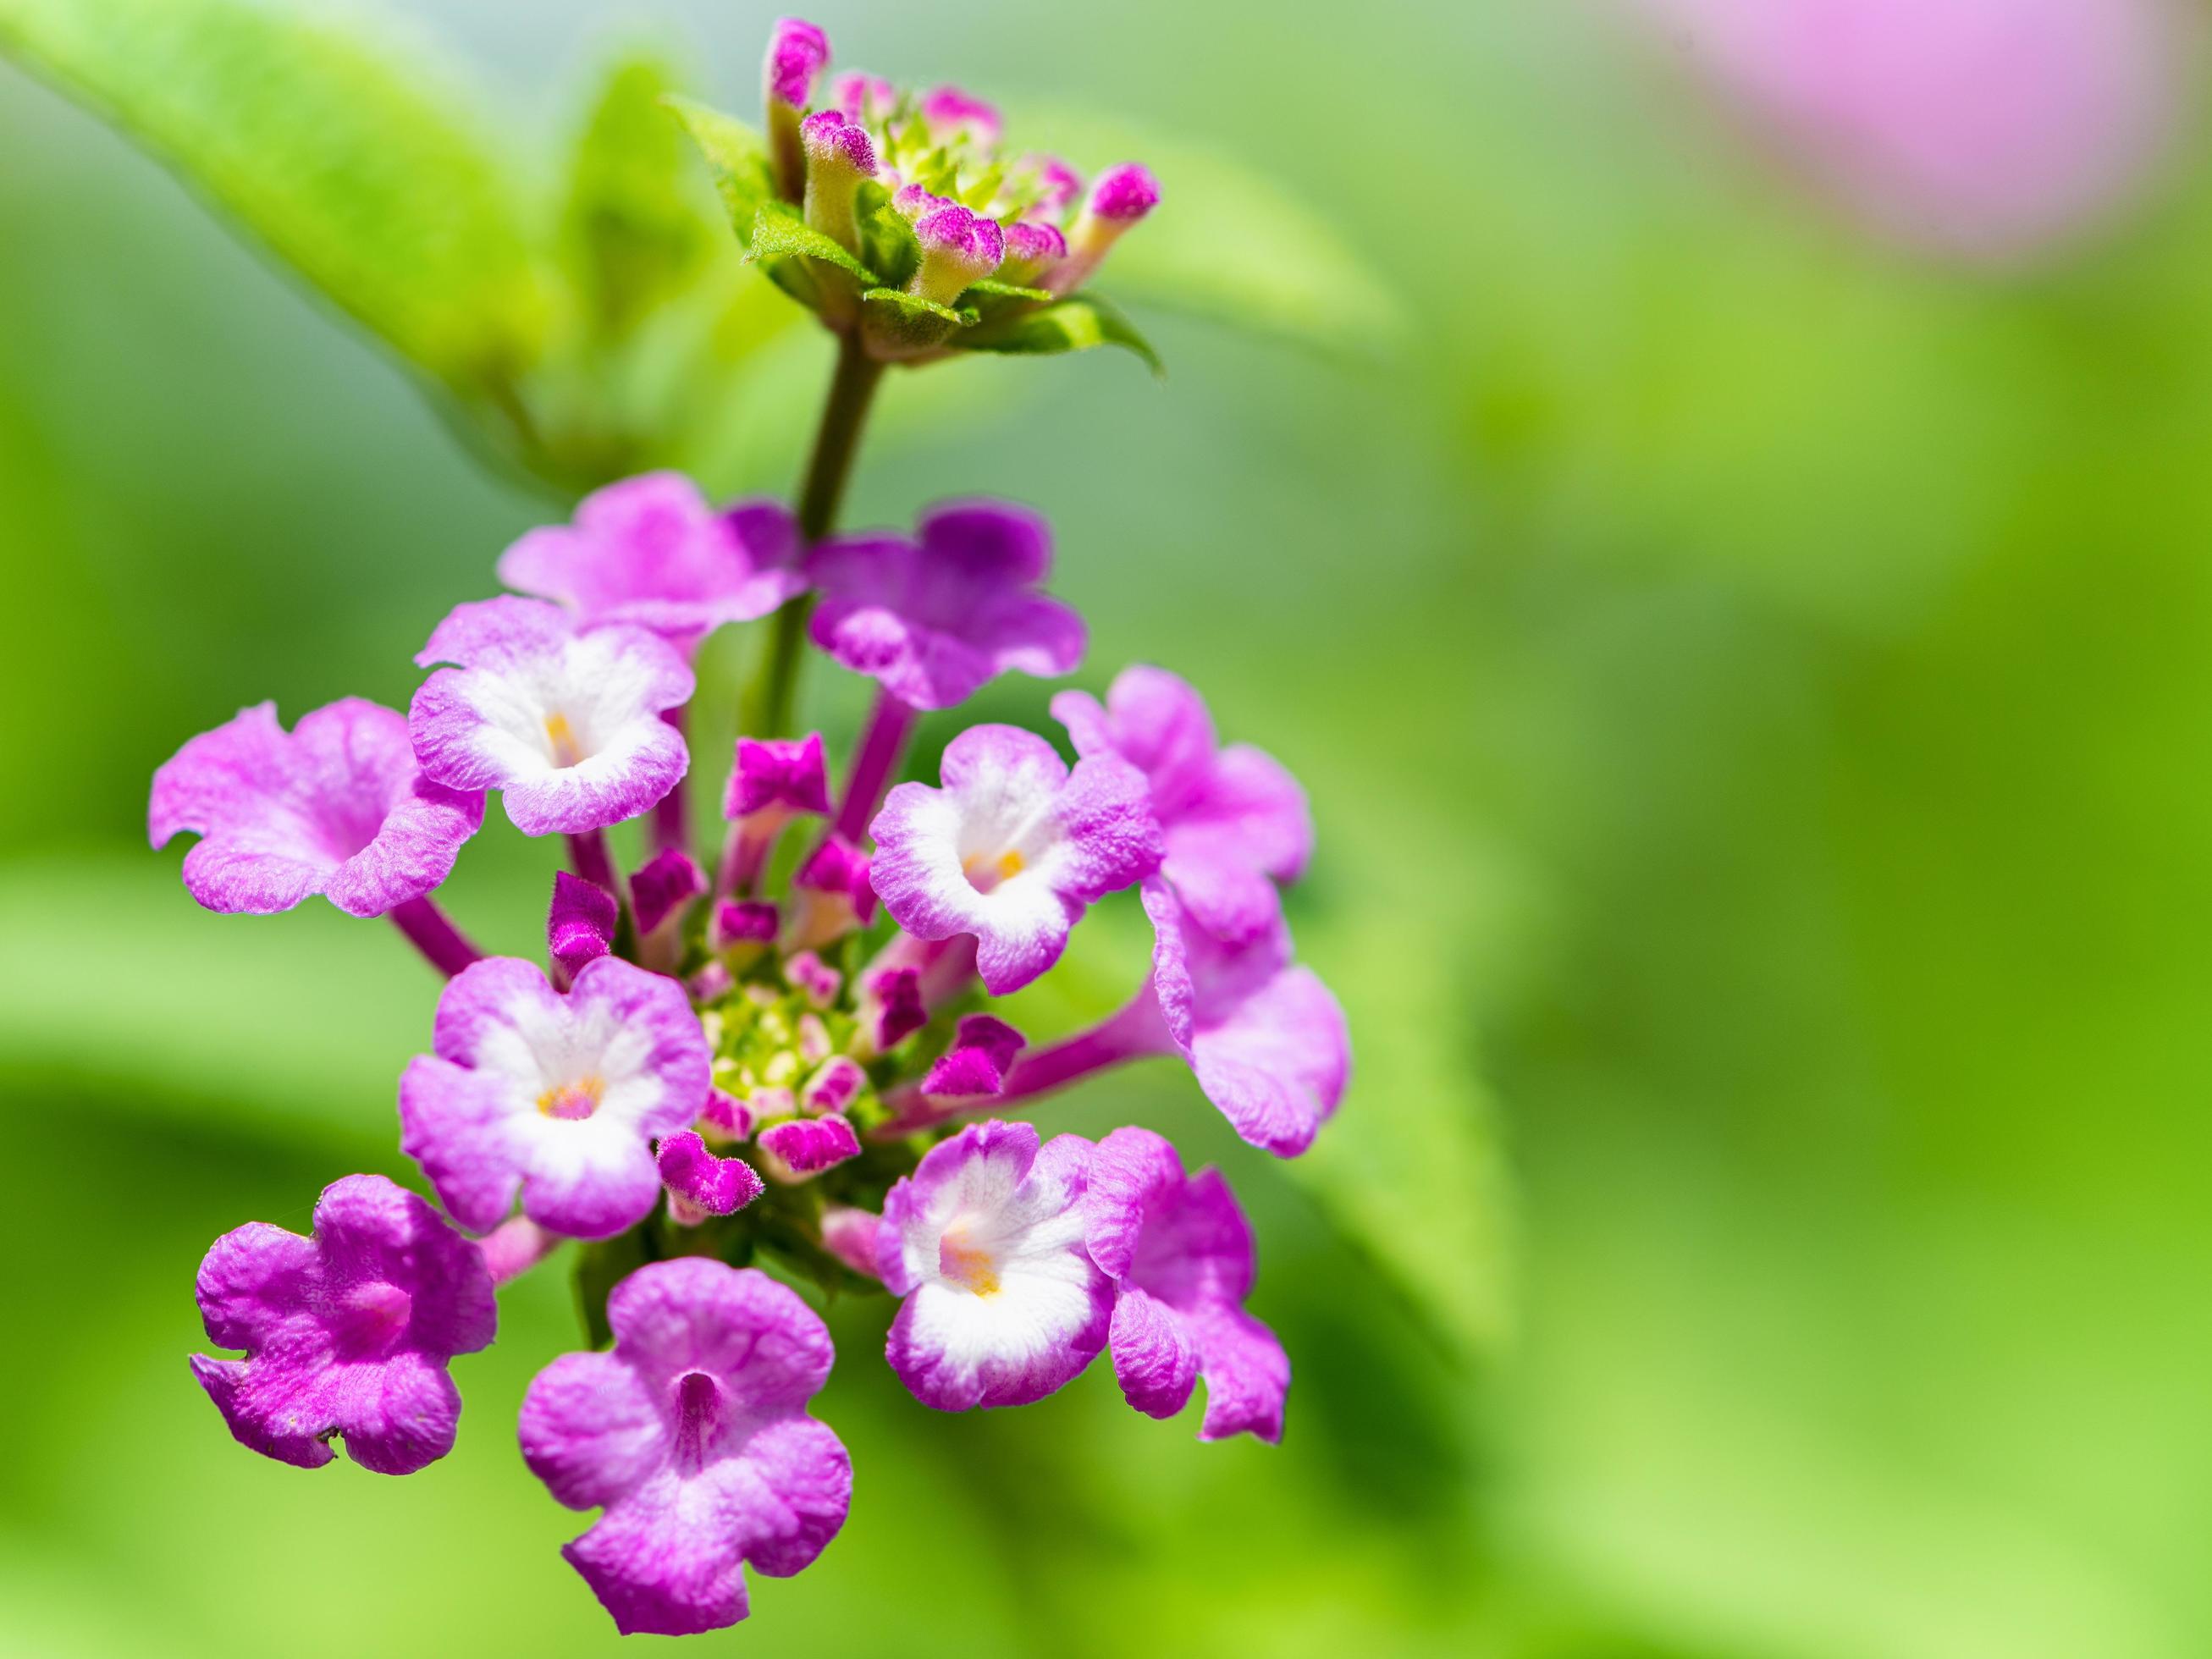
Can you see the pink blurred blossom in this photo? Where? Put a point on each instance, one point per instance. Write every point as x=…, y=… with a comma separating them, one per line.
x=1981, y=128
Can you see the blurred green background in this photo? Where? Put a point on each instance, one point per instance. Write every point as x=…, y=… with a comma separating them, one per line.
x=1756, y=689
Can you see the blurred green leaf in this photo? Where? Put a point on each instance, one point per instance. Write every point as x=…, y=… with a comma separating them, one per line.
x=1409, y=1170
x=779, y=232
x=349, y=157
x=1227, y=243
x=631, y=235
x=736, y=156
x=1076, y=325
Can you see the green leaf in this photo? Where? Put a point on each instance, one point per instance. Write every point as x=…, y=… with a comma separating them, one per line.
x=1229, y=243
x=350, y=159
x=736, y=156
x=779, y=232
x=631, y=233
x=1074, y=324
x=913, y=305
x=1409, y=1171
x=1009, y=291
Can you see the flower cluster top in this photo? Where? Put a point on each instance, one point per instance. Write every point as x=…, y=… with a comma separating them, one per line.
x=771, y=1063
x=903, y=220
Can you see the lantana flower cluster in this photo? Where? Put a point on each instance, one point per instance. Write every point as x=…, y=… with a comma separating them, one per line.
x=773, y=1062
x=783, y=1052
x=908, y=223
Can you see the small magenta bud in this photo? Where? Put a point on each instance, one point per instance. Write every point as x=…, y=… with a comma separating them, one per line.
x=774, y=773
x=957, y=248
x=796, y=53
x=834, y=1087
x=580, y=925
x=805, y=1146
x=662, y=889
x=1032, y=249
x=1119, y=198
x=715, y=1186
x=1123, y=195
x=1057, y=183
x=750, y=921
x=726, y=1118
x=834, y=140
x=955, y=117
x=850, y=1236
x=914, y=203
x=863, y=97
x=840, y=155
x=813, y=978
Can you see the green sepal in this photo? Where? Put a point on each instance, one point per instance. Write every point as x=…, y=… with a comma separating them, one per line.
x=1073, y=324
x=1007, y=291
x=902, y=325
x=779, y=232
x=886, y=239
x=738, y=157
x=913, y=304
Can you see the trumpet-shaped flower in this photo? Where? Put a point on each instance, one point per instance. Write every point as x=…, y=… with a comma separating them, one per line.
x=336, y=806
x=693, y=1436
x=346, y=1333
x=1179, y=1252
x=1011, y=848
x=560, y=1096
x=649, y=550
x=984, y=1242
x=931, y=619
x=1266, y=1037
x=564, y=720
x=1233, y=822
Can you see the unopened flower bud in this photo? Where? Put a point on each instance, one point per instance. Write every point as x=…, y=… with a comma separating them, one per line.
x=663, y=888
x=1119, y=199
x=701, y=1184
x=1033, y=248
x=954, y=117
x=797, y=50
x=580, y=926
x=771, y=781
x=957, y=248
x=805, y=1146
x=915, y=202
x=891, y=1008
x=849, y=1234
x=834, y=1087
x=813, y=978
x=863, y=97
x=1057, y=183
x=840, y=157
x=832, y=895
x=747, y=922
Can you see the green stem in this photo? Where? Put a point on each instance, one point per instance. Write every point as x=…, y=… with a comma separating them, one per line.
x=764, y=709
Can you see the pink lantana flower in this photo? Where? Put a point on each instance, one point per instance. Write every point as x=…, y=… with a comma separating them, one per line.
x=1012, y=848
x=649, y=550
x=558, y=1096
x=984, y=1242
x=346, y=1333
x=693, y=1436
x=565, y=721
x=1266, y=1037
x=933, y=618
x=1234, y=822
x=337, y=807
x=1179, y=1252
